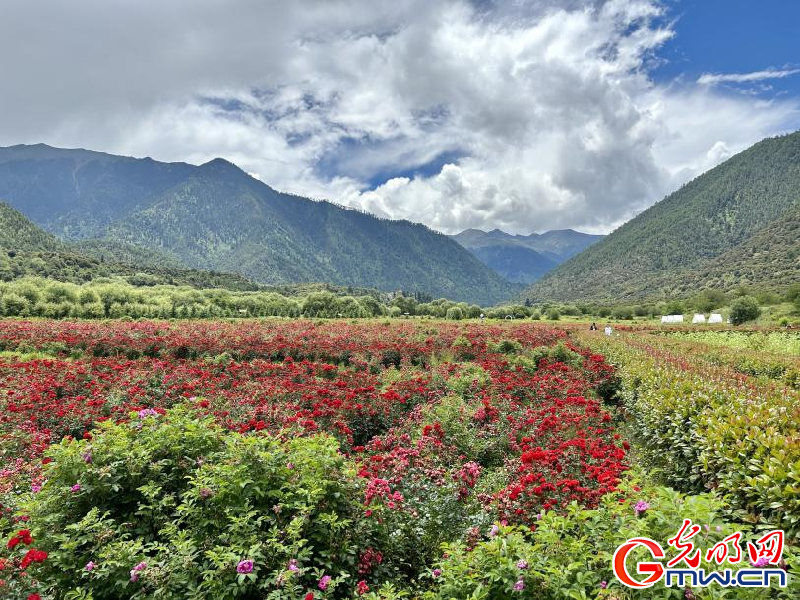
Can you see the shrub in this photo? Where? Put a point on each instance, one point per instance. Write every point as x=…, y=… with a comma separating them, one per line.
x=623, y=313
x=569, y=555
x=462, y=348
x=553, y=314
x=707, y=432
x=189, y=501
x=506, y=347
x=674, y=308
x=454, y=313
x=744, y=309
x=391, y=358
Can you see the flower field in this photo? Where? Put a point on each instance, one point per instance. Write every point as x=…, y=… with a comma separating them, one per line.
x=381, y=459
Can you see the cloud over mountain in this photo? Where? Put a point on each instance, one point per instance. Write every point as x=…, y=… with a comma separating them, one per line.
x=524, y=116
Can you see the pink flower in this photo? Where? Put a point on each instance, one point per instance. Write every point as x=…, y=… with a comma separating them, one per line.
x=437, y=572
x=520, y=585
x=293, y=565
x=522, y=564
x=641, y=507
x=75, y=488
x=90, y=566
x=134, y=571
x=245, y=566
x=323, y=583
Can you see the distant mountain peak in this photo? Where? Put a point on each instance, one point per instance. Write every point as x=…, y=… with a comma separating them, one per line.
x=524, y=258
x=220, y=165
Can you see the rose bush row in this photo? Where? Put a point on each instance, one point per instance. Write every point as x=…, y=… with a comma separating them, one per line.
x=709, y=428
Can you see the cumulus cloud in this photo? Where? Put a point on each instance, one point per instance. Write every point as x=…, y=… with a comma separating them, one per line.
x=520, y=115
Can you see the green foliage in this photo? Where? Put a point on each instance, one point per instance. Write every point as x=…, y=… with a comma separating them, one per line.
x=569, y=555
x=191, y=500
x=454, y=313
x=744, y=309
x=115, y=298
x=506, y=346
x=471, y=377
x=623, y=313
x=701, y=432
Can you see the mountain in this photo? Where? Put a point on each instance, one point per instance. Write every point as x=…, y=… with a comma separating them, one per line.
x=524, y=258
x=215, y=216
x=27, y=250
x=720, y=222
x=769, y=259
x=19, y=234
x=120, y=252
x=77, y=193
x=515, y=263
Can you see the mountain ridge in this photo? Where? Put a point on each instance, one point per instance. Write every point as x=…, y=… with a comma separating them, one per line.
x=216, y=216
x=524, y=258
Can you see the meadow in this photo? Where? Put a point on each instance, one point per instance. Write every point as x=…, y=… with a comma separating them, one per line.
x=399, y=458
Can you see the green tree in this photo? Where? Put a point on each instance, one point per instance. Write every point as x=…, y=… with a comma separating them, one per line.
x=744, y=309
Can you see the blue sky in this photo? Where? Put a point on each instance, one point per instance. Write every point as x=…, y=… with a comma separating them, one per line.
x=524, y=115
x=734, y=36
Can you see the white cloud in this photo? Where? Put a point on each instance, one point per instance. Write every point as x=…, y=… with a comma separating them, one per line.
x=717, y=78
x=543, y=111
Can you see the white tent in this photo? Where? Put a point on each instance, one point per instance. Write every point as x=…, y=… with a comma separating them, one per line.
x=715, y=318
x=698, y=318
x=672, y=319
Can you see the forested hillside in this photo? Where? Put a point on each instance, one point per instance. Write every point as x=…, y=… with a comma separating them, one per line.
x=769, y=259
x=28, y=251
x=18, y=234
x=711, y=215
x=216, y=217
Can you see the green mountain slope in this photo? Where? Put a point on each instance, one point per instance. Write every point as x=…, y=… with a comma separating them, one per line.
x=104, y=250
x=215, y=216
x=707, y=217
x=18, y=234
x=768, y=259
x=28, y=251
x=76, y=193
